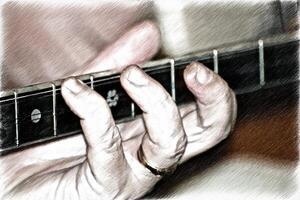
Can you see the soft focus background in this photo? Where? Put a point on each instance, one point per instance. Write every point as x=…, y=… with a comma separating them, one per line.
x=43, y=40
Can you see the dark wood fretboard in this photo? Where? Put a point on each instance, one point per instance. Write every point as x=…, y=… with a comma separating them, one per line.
x=37, y=114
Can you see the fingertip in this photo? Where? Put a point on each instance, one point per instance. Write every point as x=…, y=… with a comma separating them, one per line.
x=69, y=89
x=128, y=68
x=197, y=74
x=134, y=75
x=72, y=85
x=190, y=71
x=204, y=83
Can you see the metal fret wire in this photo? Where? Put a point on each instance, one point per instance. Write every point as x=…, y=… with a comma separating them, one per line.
x=132, y=110
x=216, y=62
x=54, y=109
x=16, y=118
x=261, y=62
x=92, y=81
x=173, y=89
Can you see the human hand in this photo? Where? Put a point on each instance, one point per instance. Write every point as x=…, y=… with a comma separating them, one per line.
x=72, y=171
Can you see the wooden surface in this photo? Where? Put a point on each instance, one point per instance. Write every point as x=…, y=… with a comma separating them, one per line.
x=259, y=157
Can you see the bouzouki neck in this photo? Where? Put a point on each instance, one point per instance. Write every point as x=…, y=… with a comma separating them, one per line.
x=38, y=113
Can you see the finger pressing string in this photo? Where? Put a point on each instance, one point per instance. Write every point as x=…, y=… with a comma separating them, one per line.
x=216, y=108
x=101, y=134
x=207, y=86
x=165, y=141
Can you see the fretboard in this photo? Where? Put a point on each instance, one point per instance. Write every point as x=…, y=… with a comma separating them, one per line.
x=38, y=113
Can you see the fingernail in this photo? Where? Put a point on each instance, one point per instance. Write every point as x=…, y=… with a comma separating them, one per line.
x=199, y=72
x=191, y=71
x=136, y=76
x=73, y=85
x=203, y=75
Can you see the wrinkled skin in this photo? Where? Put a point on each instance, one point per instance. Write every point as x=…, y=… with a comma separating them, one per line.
x=102, y=163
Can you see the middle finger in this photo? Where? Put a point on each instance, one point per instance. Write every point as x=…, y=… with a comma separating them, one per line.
x=165, y=140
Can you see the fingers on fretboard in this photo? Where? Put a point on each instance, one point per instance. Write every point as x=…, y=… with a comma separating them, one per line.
x=40, y=115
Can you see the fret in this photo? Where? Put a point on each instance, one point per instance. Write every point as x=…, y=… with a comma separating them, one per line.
x=261, y=63
x=26, y=117
x=132, y=110
x=173, y=86
x=216, y=63
x=54, y=109
x=16, y=117
x=92, y=81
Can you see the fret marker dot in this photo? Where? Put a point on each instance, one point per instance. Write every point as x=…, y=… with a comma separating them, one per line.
x=36, y=115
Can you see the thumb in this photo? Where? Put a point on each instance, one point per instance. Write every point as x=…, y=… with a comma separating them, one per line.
x=104, y=149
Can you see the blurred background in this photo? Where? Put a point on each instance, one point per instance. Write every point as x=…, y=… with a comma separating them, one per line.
x=41, y=37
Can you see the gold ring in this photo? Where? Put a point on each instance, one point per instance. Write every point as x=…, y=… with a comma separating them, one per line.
x=155, y=171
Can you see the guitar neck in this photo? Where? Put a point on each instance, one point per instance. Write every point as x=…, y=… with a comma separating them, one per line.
x=38, y=113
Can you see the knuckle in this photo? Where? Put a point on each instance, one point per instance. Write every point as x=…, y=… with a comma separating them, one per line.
x=175, y=143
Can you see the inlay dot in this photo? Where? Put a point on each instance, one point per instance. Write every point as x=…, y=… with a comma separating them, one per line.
x=36, y=115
